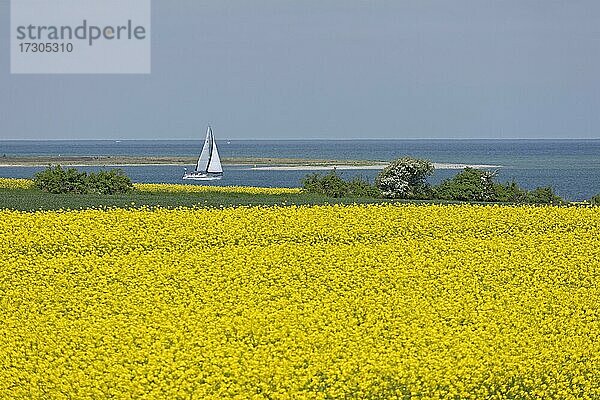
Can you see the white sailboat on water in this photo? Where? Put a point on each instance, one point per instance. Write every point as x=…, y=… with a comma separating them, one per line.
x=208, y=167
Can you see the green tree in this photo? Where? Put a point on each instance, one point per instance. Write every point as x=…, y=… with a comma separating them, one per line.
x=471, y=184
x=510, y=192
x=543, y=195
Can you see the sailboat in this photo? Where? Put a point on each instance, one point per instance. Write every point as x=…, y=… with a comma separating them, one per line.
x=208, y=167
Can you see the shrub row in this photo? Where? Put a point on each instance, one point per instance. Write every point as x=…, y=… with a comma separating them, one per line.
x=332, y=185
x=478, y=185
x=59, y=180
x=406, y=178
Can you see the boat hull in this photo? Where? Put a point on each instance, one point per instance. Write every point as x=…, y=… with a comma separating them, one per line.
x=202, y=177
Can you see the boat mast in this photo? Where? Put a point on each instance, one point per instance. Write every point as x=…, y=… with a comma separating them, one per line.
x=210, y=151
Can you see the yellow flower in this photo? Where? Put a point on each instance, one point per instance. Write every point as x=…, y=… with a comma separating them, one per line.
x=377, y=301
x=11, y=183
x=166, y=187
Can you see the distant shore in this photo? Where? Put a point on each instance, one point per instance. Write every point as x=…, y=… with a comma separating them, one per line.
x=82, y=161
x=373, y=167
x=257, y=163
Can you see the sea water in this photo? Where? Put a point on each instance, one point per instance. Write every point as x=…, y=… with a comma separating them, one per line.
x=571, y=167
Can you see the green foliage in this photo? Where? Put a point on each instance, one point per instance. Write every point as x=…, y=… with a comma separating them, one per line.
x=330, y=184
x=58, y=180
x=333, y=185
x=406, y=178
x=468, y=185
x=109, y=182
x=478, y=185
x=543, y=195
x=510, y=192
x=360, y=187
x=595, y=201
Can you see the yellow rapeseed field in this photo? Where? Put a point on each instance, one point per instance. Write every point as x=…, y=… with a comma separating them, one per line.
x=378, y=301
x=174, y=188
x=11, y=183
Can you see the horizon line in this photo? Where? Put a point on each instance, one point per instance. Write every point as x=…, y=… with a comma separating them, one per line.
x=293, y=139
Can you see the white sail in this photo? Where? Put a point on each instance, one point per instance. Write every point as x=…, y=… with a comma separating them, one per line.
x=209, y=166
x=214, y=165
x=202, y=165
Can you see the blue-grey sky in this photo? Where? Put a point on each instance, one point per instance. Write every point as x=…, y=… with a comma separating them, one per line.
x=339, y=69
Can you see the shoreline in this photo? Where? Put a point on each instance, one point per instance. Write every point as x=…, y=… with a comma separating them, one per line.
x=363, y=167
x=88, y=161
x=258, y=164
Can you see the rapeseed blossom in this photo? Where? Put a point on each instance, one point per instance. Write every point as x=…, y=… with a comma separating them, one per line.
x=174, y=188
x=11, y=183
x=377, y=301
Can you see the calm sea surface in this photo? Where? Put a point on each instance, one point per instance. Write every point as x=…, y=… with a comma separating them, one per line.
x=571, y=167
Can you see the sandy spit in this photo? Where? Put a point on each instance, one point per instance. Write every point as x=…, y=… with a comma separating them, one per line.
x=363, y=167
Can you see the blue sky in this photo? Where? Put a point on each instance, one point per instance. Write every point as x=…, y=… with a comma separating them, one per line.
x=331, y=69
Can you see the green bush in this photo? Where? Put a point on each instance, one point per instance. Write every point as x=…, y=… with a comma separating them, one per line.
x=595, y=201
x=469, y=185
x=333, y=185
x=510, y=192
x=58, y=180
x=543, y=195
x=109, y=182
x=360, y=187
x=478, y=185
x=406, y=178
x=330, y=184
